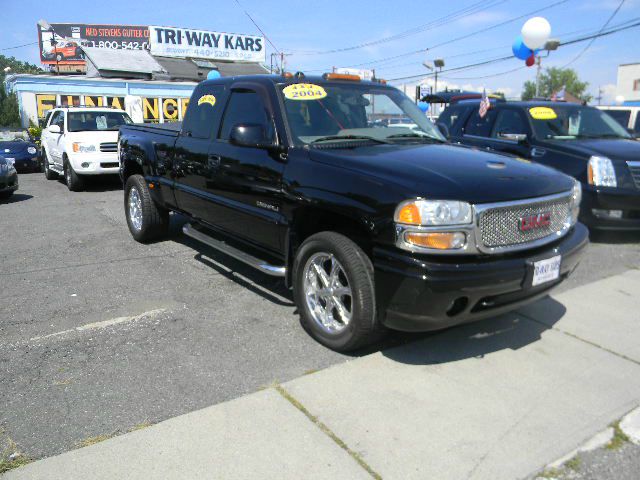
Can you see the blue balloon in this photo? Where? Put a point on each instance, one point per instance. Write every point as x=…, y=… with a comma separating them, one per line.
x=520, y=50
x=424, y=106
x=213, y=74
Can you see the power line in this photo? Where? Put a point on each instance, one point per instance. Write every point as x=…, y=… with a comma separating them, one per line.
x=455, y=69
x=18, y=46
x=456, y=39
x=454, y=16
x=615, y=12
x=257, y=26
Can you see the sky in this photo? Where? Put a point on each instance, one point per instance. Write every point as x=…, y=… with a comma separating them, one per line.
x=306, y=29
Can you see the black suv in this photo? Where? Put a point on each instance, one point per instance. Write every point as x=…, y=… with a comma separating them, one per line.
x=581, y=141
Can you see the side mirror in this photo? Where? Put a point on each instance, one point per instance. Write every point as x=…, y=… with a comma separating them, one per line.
x=513, y=137
x=250, y=135
x=53, y=129
x=444, y=130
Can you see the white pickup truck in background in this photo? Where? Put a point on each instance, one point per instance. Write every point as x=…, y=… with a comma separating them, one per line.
x=81, y=141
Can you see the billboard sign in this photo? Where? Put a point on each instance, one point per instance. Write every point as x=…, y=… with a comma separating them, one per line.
x=186, y=42
x=65, y=47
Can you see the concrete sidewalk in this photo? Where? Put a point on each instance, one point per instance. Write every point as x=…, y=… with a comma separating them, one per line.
x=497, y=399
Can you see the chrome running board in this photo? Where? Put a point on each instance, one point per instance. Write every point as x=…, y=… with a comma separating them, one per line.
x=257, y=263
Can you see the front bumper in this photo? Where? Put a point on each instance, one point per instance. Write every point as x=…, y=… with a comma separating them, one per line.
x=101, y=163
x=25, y=163
x=9, y=183
x=420, y=293
x=626, y=200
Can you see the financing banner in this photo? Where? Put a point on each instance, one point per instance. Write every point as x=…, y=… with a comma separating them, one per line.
x=186, y=42
x=63, y=44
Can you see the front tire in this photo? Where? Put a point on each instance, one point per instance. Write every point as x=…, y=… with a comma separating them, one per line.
x=333, y=287
x=146, y=220
x=75, y=182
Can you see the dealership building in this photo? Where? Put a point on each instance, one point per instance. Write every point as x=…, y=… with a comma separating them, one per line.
x=100, y=65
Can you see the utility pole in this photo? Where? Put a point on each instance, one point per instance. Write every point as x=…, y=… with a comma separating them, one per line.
x=539, y=62
x=599, y=97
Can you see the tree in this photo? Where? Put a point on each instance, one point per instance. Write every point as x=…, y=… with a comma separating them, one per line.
x=552, y=80
x=9, y=110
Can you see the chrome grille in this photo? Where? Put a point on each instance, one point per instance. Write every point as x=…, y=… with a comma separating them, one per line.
x=109, y=147
x=634, y=168
x=500, y=226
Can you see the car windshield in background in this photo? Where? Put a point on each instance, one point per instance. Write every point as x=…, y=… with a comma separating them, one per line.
x=94, y=121
x=335, y=113
x=14, y=137
x=568, y=122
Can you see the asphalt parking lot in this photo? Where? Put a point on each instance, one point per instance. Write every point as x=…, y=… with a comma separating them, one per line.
x=100, y=334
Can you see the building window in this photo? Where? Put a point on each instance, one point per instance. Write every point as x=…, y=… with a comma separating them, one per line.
x=636, y=85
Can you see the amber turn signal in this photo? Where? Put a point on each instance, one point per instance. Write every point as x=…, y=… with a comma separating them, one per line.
x=437, y=240
x=409, y=214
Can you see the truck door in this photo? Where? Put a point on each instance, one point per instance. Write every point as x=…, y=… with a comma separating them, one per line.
x=193, y=166
x=511, y=133
x=247, y=185
x=55, y=141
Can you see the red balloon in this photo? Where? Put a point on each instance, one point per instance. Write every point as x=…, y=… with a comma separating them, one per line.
x=531, y=60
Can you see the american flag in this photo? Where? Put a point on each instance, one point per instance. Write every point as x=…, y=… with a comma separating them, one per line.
x=485, y=104
x=559, y=95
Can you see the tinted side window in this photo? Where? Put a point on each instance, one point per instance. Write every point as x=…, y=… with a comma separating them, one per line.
x=620, y=116
x=451, y=115
x=245, y=106
x=478, y=126
x=509, y=121
x=203, y=116
x=637, y=126
x=58, y=119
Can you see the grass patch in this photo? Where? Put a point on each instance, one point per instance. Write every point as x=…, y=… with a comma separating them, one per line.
x=7, y=464
x=327, y=431
x=550, y=473
x=10, y=456
x=619, y=438
x=311, y=372
x=574, y=463
x=140, y=426
x=93, y=440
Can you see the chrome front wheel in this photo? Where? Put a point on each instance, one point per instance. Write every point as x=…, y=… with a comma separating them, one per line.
x=328, y=292
x=135, y=209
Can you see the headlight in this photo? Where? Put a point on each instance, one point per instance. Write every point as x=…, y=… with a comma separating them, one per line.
x=32, y=150
x=83, y=147
x=576, y=198
x=601, y=172
x=433, y=213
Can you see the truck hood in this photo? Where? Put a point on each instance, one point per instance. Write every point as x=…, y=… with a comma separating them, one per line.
x=615, y=149
x=449, y=172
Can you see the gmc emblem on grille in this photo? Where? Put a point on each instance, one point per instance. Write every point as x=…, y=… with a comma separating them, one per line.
x=534, y=221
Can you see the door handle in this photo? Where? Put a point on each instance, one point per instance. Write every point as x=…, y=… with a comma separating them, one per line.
x=538, y=152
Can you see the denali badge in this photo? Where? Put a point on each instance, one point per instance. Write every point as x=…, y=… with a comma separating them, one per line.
x=534, y=221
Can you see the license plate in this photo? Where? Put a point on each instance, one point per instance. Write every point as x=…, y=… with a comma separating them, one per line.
x=546, y=270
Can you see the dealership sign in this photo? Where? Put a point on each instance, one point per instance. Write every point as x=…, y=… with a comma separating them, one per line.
x=186, y=42
x=63, y=45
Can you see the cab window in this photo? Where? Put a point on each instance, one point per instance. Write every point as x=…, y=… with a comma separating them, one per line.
x=203, y=117
x=244, y=107
x=452, y=115
x=480, y=126
x=509, y=121
x=58, y=119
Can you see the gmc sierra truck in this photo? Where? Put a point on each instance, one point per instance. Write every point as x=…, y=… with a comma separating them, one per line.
x=372, y=225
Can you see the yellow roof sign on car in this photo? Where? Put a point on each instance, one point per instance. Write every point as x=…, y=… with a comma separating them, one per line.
x=542, y=113
x=304, y=91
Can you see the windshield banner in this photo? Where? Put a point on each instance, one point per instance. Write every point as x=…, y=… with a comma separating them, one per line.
x=185, y=42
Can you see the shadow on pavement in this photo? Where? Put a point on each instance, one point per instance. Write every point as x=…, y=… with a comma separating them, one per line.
x=99, y=183
x=475, y=340
x=15, y=198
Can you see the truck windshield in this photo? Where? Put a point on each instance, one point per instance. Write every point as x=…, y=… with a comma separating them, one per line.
x=94, y=121
x=569, y=122
x=335, y=113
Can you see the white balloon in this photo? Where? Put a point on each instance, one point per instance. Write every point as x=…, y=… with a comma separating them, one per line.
x=536, y=32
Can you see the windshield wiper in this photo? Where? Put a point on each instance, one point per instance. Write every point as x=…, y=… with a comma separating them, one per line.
x=416, y=135
x=329, y=138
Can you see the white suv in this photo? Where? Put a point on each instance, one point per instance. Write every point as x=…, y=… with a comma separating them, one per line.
x=80, y=141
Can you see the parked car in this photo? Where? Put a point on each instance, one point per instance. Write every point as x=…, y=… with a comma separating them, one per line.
x=627, y=116
x=18, y=147
x=371, y=226
x=8, y=178
x=582, y=141
x=66, y=50
x=81, y=141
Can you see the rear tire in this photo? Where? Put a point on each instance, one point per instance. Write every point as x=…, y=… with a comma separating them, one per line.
x=75, y=182
x=338, y=310
x=147, y=221
x=48, y=173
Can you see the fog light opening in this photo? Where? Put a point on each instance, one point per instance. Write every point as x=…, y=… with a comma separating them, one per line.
x=601, y=213
x=85, y=164
x=457, y=306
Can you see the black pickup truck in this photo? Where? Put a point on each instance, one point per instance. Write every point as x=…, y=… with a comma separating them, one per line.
x=372, y=225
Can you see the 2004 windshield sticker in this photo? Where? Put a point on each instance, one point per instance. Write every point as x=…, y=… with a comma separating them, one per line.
x=542, y=113
x=210, y=99
x=304, y=91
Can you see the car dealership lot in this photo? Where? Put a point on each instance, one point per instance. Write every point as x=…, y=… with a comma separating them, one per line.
x=100, y=334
